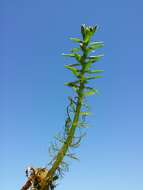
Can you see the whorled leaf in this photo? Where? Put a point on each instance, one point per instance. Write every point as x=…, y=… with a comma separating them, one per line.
x=72, y=84
x=88, y=65
x=64, y=166
x=68, y=55
x=78, y=57
x=90, y=92
x=77, y=140
x=95, y=45
x=76, y=40
x=85, y=113
x=74, y=55
x=59, y=138
x=73, y=70
x=82, y=125
x=74, y=50
x=76, y=64
x=95, y=58
x=73, y=156
x=94, y=71
x=95, y=77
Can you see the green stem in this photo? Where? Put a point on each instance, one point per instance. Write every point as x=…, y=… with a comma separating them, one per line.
x=68, y=142
x=62, y=152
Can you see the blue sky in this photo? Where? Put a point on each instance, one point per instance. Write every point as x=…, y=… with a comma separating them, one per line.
x=33, y=34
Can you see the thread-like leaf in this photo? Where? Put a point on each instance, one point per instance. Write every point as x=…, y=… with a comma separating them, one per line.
x=85, y=113
x=82, y=125
x=59, y=138
x=73, y=156
x=65, y=166
x=78, y=141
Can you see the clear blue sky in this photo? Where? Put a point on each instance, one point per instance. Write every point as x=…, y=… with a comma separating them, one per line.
x=33, y=34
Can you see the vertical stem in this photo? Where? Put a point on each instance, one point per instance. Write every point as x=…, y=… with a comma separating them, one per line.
x=64, y=148
x=62, y=152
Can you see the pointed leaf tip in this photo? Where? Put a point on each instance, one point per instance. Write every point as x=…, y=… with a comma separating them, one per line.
x=68, y=55
x=76, y=40
x=90, y=92
x=95, y=45
x=73, y=70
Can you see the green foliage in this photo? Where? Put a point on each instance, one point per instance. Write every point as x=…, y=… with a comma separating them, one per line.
x=75, y=40
x=94, y=46
x=73, y=70
x=94, y=71
x=62, y=149
x=90, y=91
x=77, y=110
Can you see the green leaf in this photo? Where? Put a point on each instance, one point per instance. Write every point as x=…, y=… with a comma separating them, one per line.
x=76, y=40
x=90, y=92
x=78, y=57
x=73, y=70
x=73, y=85
x=82, y=78
x=76, y=89
x=94, y=71
x=87, y=65
x=95, y=58
x=88, y=34
x=68, y=55
x=92, y=59
x=76, y=64
x=74, y=55
x=75, y=50
x=95, y=77
x=95, y=45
